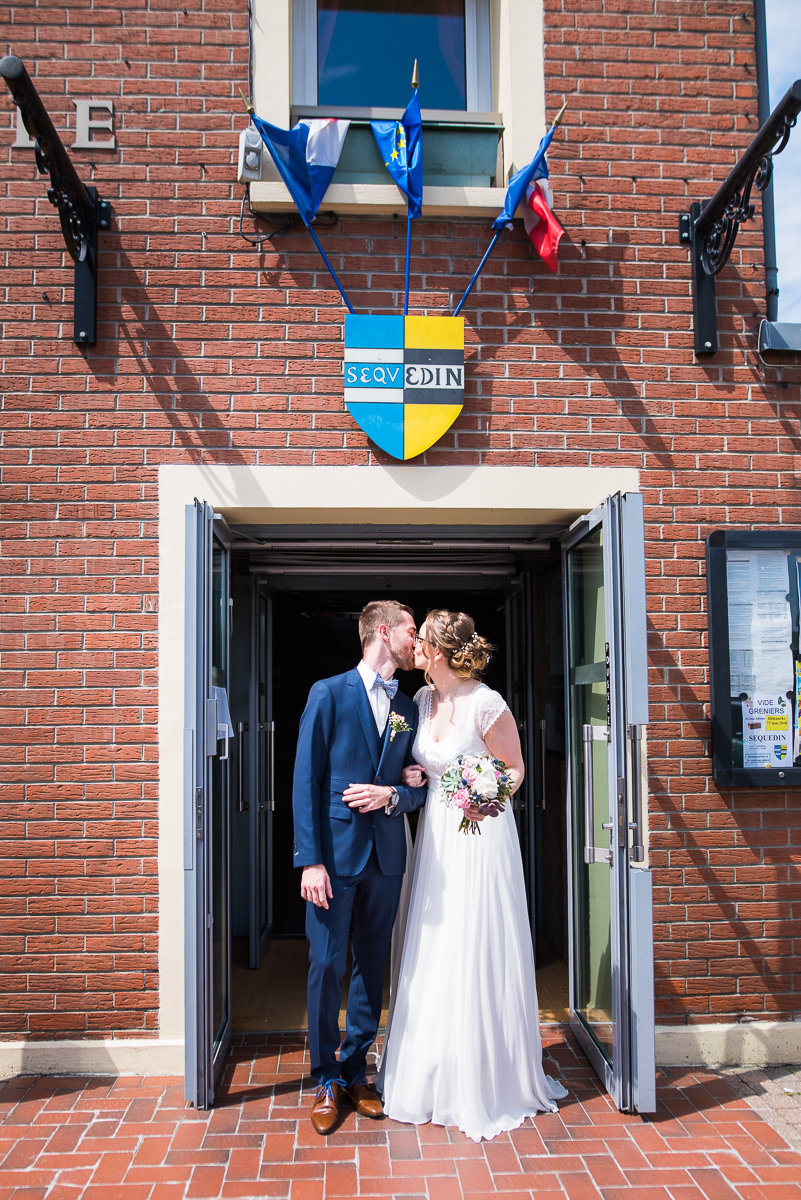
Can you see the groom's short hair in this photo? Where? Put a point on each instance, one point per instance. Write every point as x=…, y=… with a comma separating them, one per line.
x=380, y=612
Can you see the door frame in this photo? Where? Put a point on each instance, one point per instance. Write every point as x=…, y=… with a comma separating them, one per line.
x=317, y=497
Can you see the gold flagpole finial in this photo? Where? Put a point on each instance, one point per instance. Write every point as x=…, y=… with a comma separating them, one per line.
x=415, y=76
x=246, y=103
x=558, y=118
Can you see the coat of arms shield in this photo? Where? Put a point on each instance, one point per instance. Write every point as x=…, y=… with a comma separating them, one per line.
x=404, y=379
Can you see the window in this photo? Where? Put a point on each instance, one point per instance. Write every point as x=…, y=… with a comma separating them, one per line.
x=782, y=23
x=366, y=48
x=360, y=53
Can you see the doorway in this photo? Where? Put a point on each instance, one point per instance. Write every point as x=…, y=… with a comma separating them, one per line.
x=315, y=635
x=568, y=621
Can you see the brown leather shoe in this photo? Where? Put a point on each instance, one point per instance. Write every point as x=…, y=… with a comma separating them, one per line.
x=365, y=1098
x=325, y=1109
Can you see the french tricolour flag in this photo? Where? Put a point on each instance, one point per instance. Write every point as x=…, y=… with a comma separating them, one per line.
x=306, y=157
x=529, y=188
x=542, y=227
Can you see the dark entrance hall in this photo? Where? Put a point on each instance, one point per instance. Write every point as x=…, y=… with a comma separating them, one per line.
x=310, y=599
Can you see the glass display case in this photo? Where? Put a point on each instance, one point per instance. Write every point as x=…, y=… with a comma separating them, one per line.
x=753, y=588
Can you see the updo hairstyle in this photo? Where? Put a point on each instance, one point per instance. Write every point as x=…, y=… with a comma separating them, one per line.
x=454, y=634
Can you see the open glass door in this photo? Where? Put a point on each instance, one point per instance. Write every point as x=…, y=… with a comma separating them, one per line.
x=207, y=809
x=610, y=918
x=261, y=775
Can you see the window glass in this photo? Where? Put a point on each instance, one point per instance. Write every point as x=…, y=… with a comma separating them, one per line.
x=366, y=50
x=782, y=20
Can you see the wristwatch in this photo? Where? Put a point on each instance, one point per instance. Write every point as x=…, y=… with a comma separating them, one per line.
x=393, y=802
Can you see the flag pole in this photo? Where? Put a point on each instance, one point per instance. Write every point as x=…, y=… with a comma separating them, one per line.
x=415, y=85
x=330, y=268
x=408, y=254
x=557, y=122
x=479, y=269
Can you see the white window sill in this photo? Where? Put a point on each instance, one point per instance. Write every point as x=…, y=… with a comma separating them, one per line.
x=369, y=199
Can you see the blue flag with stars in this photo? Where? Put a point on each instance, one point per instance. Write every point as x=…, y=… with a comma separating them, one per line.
x=401, y=147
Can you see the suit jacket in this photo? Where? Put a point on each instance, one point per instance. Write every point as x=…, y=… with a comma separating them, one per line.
x=338, y=745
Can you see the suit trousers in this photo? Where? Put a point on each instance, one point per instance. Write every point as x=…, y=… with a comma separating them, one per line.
x=371, y=898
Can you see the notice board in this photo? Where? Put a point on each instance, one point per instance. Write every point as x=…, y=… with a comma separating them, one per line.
x=753, y=600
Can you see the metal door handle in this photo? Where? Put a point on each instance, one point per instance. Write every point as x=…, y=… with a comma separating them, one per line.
x=638, y=848
x=241, y=803
x=269, y=727
x=271, y=737
x=592, y=854
x=543, y=754
x=224, y=757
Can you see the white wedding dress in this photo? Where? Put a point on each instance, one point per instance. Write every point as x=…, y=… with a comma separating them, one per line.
x=463, y=1043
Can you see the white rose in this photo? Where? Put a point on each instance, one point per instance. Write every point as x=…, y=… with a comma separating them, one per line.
x=486, y=785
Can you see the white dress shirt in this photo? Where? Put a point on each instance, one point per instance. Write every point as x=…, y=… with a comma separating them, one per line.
x=379, y=700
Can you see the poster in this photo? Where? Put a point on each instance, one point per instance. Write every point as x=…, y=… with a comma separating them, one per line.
x=760, y=623
x=767, y=731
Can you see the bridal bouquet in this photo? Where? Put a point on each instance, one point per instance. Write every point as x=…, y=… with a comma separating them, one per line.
x=476, y=779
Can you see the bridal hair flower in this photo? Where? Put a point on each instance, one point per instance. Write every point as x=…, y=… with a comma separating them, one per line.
x=473, y=641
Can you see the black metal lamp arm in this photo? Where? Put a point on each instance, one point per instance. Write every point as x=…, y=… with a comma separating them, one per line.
x=710, y=228
x=80, y=212
x=720, y=219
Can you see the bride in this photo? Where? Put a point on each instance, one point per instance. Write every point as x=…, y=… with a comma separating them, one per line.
x=463, y=1044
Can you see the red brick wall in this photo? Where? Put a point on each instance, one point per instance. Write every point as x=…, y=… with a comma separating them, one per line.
x=204, y=353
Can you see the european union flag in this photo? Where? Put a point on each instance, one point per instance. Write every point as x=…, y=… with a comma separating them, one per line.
x=401, y=146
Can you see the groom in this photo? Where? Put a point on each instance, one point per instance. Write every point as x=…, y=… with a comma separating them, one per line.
x=356, y=736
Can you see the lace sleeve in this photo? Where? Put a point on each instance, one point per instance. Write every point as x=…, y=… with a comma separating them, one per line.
x=489, y=706
x=419, y=696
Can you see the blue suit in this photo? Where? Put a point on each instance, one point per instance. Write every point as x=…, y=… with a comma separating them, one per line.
x=364, y=854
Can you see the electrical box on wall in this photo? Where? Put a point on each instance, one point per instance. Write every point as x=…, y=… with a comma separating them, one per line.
x=753, y=582
x=251, y=148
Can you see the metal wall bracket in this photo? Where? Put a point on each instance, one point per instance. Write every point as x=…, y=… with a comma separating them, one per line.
x=711, y=227
x=80, y=211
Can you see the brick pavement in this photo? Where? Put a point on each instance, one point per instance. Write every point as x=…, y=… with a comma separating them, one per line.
x=133, y=1139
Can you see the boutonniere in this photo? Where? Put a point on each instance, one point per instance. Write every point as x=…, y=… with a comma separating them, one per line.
x=397, y=725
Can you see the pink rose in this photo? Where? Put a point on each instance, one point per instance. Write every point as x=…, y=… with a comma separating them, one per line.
x=469, y=775
x=461, y=798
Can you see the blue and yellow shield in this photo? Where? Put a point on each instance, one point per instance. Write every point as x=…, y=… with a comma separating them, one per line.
x=404, y=379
